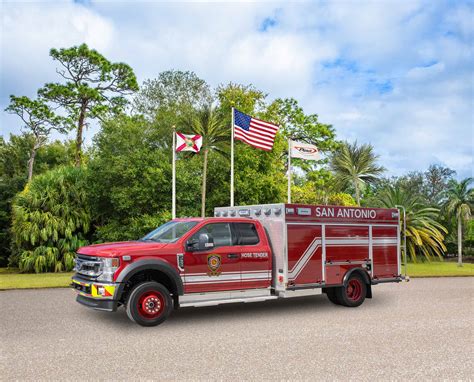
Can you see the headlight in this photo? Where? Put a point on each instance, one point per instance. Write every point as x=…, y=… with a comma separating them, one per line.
x=108, y=268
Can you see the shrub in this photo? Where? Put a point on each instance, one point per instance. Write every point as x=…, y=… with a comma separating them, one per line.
x=51, y=219
x=341, y=199
x=131, y=229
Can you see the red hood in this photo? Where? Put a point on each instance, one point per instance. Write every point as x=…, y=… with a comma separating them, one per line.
x=120, y=248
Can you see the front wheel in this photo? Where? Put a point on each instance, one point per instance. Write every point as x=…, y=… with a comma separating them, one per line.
x=149, y=304
x=353, y=293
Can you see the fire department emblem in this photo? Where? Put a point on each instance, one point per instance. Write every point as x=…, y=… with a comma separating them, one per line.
x=214, y=263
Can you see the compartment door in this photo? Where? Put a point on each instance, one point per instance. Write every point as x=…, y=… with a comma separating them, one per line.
x=304, y=254
x=385, y=251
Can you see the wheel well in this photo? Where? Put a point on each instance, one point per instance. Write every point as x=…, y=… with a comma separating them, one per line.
x=365, y=277
x=149, y=275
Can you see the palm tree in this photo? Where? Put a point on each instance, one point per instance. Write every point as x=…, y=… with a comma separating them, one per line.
x=356, y=165
x=423, y=232
x=215, y=134
x=50, y=219
x=459, y=201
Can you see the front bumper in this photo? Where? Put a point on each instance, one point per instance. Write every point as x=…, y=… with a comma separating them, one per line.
x=96, y=295
x=107, y=305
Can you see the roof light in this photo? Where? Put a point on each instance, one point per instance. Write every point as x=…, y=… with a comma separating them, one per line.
x=245, y=212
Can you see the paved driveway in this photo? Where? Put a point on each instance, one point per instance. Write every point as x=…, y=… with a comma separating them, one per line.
x=417, y=330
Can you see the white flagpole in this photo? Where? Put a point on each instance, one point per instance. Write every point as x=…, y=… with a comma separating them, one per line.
x=289, y=170
x=232, y=162
x=173, y=192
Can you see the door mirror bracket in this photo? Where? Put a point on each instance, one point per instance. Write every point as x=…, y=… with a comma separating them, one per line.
x=204, y=243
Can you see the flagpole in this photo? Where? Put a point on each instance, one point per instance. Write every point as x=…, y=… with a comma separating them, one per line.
x=232, y=161
x=289, y=170
x=173, y=191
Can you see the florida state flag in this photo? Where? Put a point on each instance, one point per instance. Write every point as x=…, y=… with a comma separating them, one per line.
x=187, y=142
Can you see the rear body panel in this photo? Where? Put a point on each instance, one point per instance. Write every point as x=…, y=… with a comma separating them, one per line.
x=315, y=246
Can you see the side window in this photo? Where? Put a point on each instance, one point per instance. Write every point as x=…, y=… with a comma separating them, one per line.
x=220, y=233
x=246, y=234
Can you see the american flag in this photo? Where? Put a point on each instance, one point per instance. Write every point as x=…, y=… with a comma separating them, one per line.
x=253, y=131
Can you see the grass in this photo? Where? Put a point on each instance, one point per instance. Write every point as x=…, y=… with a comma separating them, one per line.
x=439, y=269
x=11, y=279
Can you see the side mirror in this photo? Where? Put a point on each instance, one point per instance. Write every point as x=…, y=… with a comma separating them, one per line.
x=191, y=245
x=205, y=242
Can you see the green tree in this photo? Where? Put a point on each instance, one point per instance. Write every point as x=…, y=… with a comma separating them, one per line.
x=259, y=175
x=436, y=182
x=296, y=124
x=129, y=173
x=50, y=220
x=459, y=201
x=94, y=86
x=245, y=98
x=39, y=120
x=14, y=153
x=425, y=235
x=169, y=99
x=172, y=90
x=216, y=137
x=309, y=193
x=356, y=165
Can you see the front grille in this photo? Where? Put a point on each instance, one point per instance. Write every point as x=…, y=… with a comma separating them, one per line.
x=87, y=266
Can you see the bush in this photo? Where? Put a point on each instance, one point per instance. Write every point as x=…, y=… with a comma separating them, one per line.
x=341, y=199
x=51, y=219
x=132, y=229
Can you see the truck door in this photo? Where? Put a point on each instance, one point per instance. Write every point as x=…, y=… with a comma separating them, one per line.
x=255, y=260
x=216, y=269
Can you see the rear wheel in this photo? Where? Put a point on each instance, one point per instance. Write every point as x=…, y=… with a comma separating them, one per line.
x=149, y=304
x=353, y=293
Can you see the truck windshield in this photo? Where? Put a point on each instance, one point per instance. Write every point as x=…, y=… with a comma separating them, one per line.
x=169, y=232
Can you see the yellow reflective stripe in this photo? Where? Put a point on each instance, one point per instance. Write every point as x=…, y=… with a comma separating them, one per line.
x=110, y=289
x=95, y=290
x=78, y=282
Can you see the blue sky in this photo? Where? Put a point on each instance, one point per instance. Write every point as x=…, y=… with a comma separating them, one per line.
x=397, y=74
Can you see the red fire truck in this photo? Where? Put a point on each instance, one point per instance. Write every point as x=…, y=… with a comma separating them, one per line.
x=243, y=254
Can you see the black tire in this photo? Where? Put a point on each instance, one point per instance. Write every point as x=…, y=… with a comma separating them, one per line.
x=149, y=304
x=331, y=293
x=353, y=293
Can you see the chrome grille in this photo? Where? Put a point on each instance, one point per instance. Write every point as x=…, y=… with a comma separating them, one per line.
x=88, y=266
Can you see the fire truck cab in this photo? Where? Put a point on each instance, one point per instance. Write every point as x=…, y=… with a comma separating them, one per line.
x=243, y=254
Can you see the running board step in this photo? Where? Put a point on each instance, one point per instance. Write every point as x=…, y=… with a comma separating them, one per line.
x=226, y=301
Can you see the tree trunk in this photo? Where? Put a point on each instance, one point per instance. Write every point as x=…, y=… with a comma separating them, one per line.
x=31, y=162
x=356, y=186
x=204, y=180
x=459, y=241
x=80, y=128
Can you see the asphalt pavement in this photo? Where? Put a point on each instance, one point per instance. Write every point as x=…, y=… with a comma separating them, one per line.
x=417, y=330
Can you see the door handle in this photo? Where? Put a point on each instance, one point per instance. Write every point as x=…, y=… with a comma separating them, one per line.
x=232, y=256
